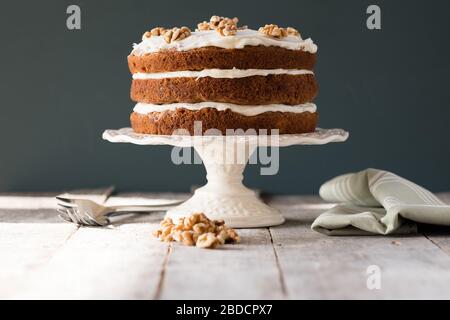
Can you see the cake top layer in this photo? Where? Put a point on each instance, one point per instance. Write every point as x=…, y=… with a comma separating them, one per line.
x=223, y=34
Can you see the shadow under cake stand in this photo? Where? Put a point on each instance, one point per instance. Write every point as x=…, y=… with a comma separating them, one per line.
x=225, y=157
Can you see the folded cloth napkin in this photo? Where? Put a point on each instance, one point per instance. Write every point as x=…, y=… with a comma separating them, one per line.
x=380, y=202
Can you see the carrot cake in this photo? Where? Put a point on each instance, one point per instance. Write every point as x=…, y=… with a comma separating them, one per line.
x=225, y=77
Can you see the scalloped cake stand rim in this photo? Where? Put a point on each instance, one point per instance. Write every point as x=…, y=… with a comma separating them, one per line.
x=319, y=137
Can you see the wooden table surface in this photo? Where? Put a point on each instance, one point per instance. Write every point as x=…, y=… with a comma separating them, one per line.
x=44, y=257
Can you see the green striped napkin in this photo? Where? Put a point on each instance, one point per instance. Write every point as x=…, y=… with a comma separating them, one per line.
x=380, y=202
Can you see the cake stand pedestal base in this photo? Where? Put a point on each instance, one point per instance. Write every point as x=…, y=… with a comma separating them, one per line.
x=224, y=196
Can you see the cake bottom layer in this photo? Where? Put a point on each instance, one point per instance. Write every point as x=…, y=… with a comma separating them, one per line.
x=196, y=121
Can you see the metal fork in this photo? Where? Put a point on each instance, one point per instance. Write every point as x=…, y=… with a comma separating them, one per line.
x=89, y=213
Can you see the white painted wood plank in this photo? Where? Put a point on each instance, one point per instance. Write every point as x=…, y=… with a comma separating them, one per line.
x=316, y=266
x=24, y=248
x=122, y=261
x=440, y=236
x=242, y=271
x=30, y=234
x=441, y=240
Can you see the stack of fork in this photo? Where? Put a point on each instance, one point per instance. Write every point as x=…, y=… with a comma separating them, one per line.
x=89, y=213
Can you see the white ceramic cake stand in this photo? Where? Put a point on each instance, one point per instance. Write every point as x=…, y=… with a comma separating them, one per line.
x=224, y=196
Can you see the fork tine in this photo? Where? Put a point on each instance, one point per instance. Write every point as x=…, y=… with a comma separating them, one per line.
x=103, y=221
x=86, y=219
x=97, y=221
x=72, y=214
x=82, y=218
x=63, y=199
x=69, y=216
x=62, y=211
x=63, y=215
x=67, y=206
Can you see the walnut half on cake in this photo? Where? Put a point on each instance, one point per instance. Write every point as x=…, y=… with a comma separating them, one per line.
x=225, y=76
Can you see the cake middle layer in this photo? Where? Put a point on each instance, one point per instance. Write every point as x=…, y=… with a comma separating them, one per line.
x=279, y=88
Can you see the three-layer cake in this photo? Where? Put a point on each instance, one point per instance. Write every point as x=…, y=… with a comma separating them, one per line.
x=224, y=77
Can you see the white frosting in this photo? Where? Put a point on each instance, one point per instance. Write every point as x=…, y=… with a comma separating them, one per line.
x=247, y=110
x=199, y=39
x=220, y=73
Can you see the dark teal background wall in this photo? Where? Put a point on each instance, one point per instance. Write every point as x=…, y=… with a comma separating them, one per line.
x=60, y=89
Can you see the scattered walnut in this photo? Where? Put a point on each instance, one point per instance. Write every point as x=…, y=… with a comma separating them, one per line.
x=222, y=236
x=157, y=233
x=178, y=227
x=207, y=240
x=187, y=238
x=166, y=222
x=233, y=236
x=219, y=222
x=196, y=229
x=200, y=228
x=292, y=32
x=192, y=220
x=203, y=218
x=272, y=30
x=166, y=233
x=220, y=228
x=195, y=236
x=177, y=34
x=176, y=235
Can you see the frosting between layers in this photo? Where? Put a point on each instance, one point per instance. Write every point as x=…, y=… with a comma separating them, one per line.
x=220, y=73
x=145, y=108
x=199, y=39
